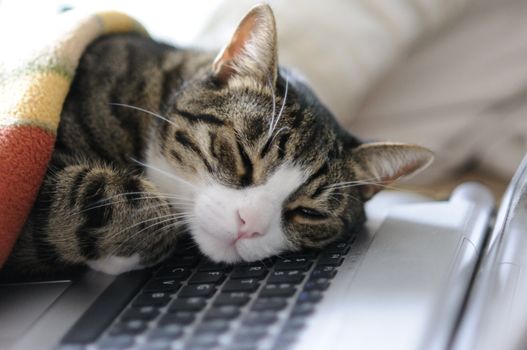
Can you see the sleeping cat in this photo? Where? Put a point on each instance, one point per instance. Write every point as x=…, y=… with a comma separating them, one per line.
x=156, y=140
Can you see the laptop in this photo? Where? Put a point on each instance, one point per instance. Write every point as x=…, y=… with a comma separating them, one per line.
x=422, y=274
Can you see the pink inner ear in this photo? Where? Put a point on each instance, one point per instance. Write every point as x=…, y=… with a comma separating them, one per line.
x=223, y=67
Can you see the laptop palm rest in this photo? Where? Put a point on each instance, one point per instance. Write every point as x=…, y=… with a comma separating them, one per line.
x=22, y=304
x=408, y=287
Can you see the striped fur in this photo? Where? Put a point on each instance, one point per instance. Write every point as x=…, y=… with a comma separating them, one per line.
x=134, y=101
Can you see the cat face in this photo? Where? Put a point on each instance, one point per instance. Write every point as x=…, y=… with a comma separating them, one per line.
x=256, y=164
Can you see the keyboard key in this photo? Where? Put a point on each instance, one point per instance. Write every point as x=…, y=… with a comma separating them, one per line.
x=292, y=276
x=241, y=272
x=338, y=247
x=313, y=296
x=169, y=285
x=227, y=312
x=277, y=290
x=116, y=342
x=169, y=332
x=275, y=304
x=246, y=285
x=197, y=290
x=332, y=259
x=208, y=265
x=293, y=264
x=239, y=299
x=323, y=271
x=302, y=309
x=178, y=318
x=152, y=299
x=216, y=326
x=248, y=337
x=307, y=254
x=316, y=284
x=179, y=273
x=188, y=304
x=260, y=318
x=128, y=328
x=158, y=344
x=294, y=323
x=207, y=277
x=204, y=341
x=184, y=261
x=145, y=313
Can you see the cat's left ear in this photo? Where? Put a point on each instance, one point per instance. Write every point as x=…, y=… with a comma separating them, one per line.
x=252, y=50
x=378, y=164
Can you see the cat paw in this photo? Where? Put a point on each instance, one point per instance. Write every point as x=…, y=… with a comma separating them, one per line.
x=115, y=265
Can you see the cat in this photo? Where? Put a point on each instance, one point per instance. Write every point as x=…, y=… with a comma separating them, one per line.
x=155, y=141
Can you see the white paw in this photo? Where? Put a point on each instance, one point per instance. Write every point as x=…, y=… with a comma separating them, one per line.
x=114, y=265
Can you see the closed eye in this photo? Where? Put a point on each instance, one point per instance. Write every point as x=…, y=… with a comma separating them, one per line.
x=307, y=213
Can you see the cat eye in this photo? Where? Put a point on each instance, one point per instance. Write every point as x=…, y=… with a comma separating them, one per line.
x=307, y=213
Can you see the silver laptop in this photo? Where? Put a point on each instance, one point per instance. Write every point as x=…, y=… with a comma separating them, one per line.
x=422, y=274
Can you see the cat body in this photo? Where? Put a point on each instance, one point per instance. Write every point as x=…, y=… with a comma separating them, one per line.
x=155, y=141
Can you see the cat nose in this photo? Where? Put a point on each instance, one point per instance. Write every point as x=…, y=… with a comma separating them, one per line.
x=250, y=224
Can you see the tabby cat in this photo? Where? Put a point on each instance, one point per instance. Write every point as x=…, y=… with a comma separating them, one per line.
x=156, y=140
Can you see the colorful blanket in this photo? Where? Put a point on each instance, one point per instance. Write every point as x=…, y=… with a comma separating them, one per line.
x=36, y=70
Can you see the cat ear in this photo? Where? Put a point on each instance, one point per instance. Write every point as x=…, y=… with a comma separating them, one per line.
x=382, y=163
x=252, y=50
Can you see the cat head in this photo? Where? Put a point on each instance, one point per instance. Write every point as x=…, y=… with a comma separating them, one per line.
x=257, y=164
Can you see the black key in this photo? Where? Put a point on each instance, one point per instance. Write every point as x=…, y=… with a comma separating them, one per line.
x=145, y=313
x=188, y=304
x=206, y=277
x=217, y=327
x=169, y=332
x=323, y=271
x=307, y=254
x=158, y=344
x=293, y=264
x=227, y=312
x=197, y=290
x=316, y=284
x=247, y=285
x=106, y=308
x=260, y=318
x=178, y=318
x=178, y=273
x=332, y=259
x=152, y=299
x=248, y=337
x=128, y=328
x=313, y=296
x=275, y=304
x=239, y=299
x=302, y=309
x=295, y=323
x=208, y=265
x=241, y=272
x=184, y=261
x=277, y=290
x=169, y=285
x=202, y=342
x=338, y=247
x=116, y=342
x=292, y=276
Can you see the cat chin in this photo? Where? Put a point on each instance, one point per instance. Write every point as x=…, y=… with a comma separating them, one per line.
x=215, y=248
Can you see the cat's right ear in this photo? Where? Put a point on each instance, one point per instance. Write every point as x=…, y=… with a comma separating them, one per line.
x=252, y=50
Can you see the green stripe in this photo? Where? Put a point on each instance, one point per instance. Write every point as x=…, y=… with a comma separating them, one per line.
x=33, y=69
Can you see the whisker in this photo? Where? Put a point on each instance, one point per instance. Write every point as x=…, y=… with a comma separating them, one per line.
x=144, y=111
x=172, y=176
x=283, y=105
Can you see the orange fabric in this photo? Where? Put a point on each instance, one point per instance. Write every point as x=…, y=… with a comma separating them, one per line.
x=24, y=156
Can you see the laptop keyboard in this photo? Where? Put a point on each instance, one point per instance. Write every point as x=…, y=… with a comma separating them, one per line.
x=190, y=302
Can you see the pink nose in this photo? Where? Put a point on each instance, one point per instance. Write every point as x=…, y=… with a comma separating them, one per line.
x=250, y=224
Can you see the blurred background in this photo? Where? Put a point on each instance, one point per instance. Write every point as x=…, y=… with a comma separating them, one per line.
x=447, y=74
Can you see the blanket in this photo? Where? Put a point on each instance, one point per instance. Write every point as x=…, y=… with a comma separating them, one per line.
x=36, y=69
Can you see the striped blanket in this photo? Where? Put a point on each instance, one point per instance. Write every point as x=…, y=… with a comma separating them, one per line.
x=36, y=70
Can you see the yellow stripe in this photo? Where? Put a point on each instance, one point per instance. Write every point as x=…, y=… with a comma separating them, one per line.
x=116, y=22
x=35, y=99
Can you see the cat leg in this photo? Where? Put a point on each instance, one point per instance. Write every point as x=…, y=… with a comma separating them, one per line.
x=108, y=219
